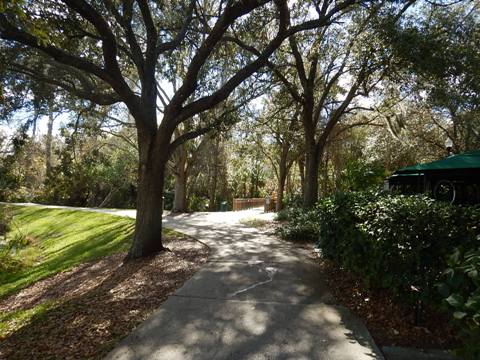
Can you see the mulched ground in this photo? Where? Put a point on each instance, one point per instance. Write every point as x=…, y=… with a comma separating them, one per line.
x=390, y=322
x=99, y=303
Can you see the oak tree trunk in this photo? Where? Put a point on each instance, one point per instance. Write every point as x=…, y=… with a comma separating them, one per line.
x=181, y=176
x=48, y=147
x=153, y=156
x=180, y=197
x=282, y=176
x=214, y=179
x=280, y=193
x=310, y=195
x=301, y=170
x=148, y=225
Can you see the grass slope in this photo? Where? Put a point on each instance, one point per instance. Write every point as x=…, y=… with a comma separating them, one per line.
x=73, y=297
x=59, y=240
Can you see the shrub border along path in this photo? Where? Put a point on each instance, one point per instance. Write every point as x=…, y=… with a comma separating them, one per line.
x=401, y=244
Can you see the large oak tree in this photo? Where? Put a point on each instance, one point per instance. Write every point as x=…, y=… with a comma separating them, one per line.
x=115, y=52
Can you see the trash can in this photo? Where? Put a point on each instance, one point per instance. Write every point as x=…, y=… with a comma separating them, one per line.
x=223, y=206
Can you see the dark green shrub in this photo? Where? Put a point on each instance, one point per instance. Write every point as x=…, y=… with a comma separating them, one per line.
x=198, y=203
x=293, y=201
x=282, y=215
x=168, y=197
x=408, y=239
x=360, y=175
x=331, y=219
x=287, y=213
x=461, y=291
x=403, y=243
x=395, y=242
x=340, y=237
x=303, y=225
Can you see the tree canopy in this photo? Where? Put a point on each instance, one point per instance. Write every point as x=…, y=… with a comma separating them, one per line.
x=215, y=99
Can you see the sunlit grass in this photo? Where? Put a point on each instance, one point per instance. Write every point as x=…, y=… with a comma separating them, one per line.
x=59, y=240
x=255, y=223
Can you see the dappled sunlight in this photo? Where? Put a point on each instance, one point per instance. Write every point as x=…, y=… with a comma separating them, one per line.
x=67, y=285
x=119, y=212
x=100, y=301
x=255, y=322
x=237, y=242
x=257, y=295
x=289, y=283
x=222, y=217
x=207, y=329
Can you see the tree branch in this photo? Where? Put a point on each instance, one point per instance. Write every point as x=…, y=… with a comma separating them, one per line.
x=288, y=85
x=87, y=94
x=230, y=14
x=176, y=41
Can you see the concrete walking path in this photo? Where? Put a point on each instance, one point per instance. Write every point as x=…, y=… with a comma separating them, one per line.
x=258, y=297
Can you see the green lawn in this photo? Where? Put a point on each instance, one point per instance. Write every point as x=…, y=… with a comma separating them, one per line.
x=59, y=240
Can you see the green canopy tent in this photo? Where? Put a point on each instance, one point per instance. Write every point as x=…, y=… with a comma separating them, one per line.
x=455, y=179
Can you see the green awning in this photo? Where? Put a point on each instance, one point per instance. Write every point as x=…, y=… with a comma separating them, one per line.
x=408, y=174
x=469, y=160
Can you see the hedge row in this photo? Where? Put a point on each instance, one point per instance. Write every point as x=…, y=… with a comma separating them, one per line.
x=399, y=242
x=461, y=291
x=404, y=243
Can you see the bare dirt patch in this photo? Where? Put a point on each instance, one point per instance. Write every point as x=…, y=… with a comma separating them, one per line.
x=97, y=303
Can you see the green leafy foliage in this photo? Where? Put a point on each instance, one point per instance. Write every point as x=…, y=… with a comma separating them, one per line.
x=403, y=243
x=396, y=242
x=283, y=215
x=198, y=203
x=303, y=225
x=87, y=168
x=95, y=178
x=11, y=245
x=20, y=168
x=5, y=220
x=461, y=291
x=438, y=52
x=359, y=175
x=409, y=238
x=310, y=225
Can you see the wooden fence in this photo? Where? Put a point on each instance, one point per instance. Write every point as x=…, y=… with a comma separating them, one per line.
x=244, y=204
